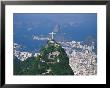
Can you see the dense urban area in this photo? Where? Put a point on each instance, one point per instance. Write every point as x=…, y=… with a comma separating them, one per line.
x=82, y=58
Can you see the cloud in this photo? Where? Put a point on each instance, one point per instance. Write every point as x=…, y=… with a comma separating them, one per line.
x=74, y=23
x=29, y=29
x=40, y=38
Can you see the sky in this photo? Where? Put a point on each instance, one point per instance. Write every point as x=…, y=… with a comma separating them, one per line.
x=55, y=17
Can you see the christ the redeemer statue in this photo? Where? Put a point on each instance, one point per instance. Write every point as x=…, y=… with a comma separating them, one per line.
x=52, y=33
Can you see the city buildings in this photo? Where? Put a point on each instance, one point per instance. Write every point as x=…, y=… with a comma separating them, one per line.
x=82, y=58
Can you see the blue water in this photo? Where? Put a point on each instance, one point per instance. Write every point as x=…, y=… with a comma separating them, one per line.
x=72, y=26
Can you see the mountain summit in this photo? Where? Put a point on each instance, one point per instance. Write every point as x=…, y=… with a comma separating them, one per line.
x=51, y=60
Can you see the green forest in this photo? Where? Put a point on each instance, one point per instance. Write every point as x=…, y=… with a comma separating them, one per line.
x=52, y=60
